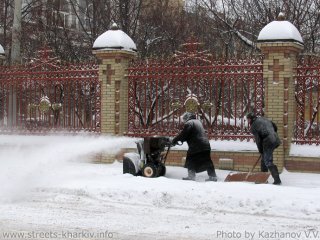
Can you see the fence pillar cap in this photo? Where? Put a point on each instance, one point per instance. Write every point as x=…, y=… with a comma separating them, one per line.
x=113, y=40
x=280, y=31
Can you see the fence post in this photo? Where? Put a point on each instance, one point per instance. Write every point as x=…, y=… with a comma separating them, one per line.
x=114, y=50
x=280, y=43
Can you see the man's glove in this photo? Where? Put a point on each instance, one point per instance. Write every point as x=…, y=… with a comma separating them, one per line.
x=173, y=142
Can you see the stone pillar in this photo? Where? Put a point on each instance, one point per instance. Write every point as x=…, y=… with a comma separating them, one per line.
x=280, y=59
x=113, y=65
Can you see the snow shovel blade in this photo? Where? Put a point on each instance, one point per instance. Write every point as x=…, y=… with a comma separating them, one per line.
x=258, y=177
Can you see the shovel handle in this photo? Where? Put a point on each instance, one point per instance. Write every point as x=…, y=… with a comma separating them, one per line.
x=253, y=167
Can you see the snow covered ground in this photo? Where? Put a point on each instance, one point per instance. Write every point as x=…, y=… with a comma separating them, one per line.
x=50, y=191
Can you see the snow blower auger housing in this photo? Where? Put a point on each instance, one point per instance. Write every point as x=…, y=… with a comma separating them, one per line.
x=150, y=159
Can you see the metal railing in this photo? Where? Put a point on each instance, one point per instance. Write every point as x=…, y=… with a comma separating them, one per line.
x=307, y=123
x=219, y=92
x=45, y=95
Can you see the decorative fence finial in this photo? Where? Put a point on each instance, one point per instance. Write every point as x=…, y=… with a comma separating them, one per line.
x=281, y=17
x=114, y=26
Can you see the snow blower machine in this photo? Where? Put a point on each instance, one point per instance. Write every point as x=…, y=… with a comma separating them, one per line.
x=150, y=159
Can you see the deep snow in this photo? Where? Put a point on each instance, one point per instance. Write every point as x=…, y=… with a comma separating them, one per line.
x=49, y=187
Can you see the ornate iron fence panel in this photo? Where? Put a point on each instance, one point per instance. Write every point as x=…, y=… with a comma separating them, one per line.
x=219, y=92
x=46, y=95
x=307, y=123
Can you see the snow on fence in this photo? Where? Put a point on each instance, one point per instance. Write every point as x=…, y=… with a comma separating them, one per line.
x=222, y=92
x=45, y=95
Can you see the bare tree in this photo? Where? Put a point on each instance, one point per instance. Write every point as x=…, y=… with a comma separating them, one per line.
x=241, y=21
x=227, y=27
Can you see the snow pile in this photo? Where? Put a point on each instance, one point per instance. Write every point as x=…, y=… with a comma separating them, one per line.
x=305, y=150
x=224, y=145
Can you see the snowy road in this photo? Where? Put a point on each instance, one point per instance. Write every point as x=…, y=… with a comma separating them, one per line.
x=99, y=199
x=73, y=199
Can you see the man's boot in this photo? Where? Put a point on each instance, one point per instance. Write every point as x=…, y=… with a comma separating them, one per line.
x=275, y=174
x=191, y=175
x=212, y=174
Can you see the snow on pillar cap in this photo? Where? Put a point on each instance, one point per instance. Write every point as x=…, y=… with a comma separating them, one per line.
x=280, y=31
x=1, y=50
x=114, y=39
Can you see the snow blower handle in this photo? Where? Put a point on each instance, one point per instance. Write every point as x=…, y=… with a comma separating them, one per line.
x=165, y=157
x=169, y=147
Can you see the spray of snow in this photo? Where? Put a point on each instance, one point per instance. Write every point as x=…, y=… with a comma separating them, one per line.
x=31, y=161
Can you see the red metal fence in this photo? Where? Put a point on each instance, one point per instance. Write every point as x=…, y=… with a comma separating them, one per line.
x=46, y=95
x=220, y=92
x=307, y=124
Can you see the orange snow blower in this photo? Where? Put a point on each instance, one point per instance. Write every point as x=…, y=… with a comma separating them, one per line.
x=255, y=177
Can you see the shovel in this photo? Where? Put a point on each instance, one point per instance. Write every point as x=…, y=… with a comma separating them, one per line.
x=258, y=177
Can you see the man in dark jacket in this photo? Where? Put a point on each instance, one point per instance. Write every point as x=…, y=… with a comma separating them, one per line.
x=198, y=155
x=267, y=140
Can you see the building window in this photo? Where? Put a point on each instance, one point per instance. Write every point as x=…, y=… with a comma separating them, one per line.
x=59, y=15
